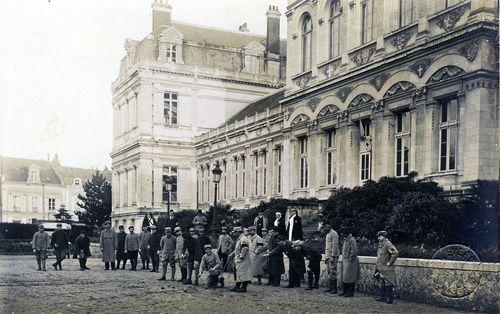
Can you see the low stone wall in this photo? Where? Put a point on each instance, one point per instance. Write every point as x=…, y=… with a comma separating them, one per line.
x=462, y=285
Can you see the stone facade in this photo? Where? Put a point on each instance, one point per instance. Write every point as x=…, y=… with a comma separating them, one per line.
x=35, y=189
x=178, y=82
x=417, y=91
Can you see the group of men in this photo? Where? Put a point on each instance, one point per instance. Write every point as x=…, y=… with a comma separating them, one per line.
x=252, y=252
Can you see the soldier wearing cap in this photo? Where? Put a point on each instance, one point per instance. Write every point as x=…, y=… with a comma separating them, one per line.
x=168, y=245
x=385, y=271
x=120, y=247
x=256, y=249
x=224, y=245
x=40, y=244
x=212, y=264
x=107, y=244
x=332, y=253
x=193, y=252
x=143, y=247
x=244, y=270
x=154, y=248
x=59, y=241
x=180, y=257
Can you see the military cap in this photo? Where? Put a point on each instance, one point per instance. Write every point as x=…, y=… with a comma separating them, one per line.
x=382, y=233
x=208, y=246
x=168, y=229
x=237, y=229
x=251, y=228
x=177, y=229
x=59, y=224
x=191, y=229
x=224, y=228
x=120, y=227
x=264, y=229
x=154, y=227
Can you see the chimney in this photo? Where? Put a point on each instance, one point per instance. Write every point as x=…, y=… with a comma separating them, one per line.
x=161, y=13
x=273, y=30
x=244, y=28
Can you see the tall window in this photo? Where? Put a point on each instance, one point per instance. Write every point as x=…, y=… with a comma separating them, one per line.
x=202, y=183
x=303, y=163
x=278, y=159
x=16, y=203
x=236, y=177
x=170, y=108
x=365, y=166
x=306, y=43
x=243, y=179
x=330, y=155
x=334, y=28
x=171, y=53
x=365, y=150
x=366, y=22
x=264, y=172
x=52, y=204
x=256, y=159
x=448, y=133
x=168, y=172
x=224, y=180
x=402, y=143
x=405, y=12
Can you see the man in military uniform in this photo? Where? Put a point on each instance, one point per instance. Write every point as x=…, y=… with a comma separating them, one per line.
x=40, y=244
x=332, y=253
x=256, y=248
x=59, y=241
x=211, y=262
x=244, y=271
x=132, y=244
x=385, y=271
x=120, y=247
x=193, y=252
x=224, y=243
x=180, y=256
x=167, y=253
x=143, y=247
x=199, y=221
x=154, y=247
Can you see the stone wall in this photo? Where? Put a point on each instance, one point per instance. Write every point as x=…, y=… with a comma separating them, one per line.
x=462, y=285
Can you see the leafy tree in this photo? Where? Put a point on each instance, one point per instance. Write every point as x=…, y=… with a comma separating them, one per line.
x=63, y=214
x=96, y=203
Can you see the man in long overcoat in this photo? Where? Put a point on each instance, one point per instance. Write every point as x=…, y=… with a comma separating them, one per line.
x=154, y=247
x=294, y=229
x=256, y=248
x=350, y=265
x=244, y=269
x=276, y=266
x=143, y=247
x=260, y=222
x=385, y=271
x=120, y=247
x=332, y=253
x=107, y=243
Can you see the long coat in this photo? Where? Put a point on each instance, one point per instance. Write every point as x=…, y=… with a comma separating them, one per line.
x=257, y=257
x=107, y=244
x=259, y=224
x=276, y=264
x=81, y=247
x=350, y=261
x=244, y=269
x=296, y=233
x=387, y=255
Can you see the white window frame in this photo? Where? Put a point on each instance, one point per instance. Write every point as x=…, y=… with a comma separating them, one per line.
x=334, y=33
x=170, y=108
x=365, y=172
x=303, y=163
x=450, y=125
x=402, y=135
x=307, y=43
x=51, y=203
x=170, y=171
x=171, y=53
x=331, y=150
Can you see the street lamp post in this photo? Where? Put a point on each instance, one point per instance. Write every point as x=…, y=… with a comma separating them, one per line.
x=169, y=182
x=216, y=178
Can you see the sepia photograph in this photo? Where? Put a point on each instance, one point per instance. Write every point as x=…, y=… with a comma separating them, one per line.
x=261, y=156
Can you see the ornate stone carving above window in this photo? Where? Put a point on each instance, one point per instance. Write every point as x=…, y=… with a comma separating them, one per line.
x=399, y=87
x=378, y=105
x=363, y=56
x=330, y=69
x=299, y=119
x=379, y=80
x=421, y=66
x=361, y=99
x=419, y=93
x=328, y=110
x=303, y=80
x=401, y=40
x=343, y=115
x=343, y=93
x=313, y=103
x=448, y=20
x=469, y=50
x=445, y=73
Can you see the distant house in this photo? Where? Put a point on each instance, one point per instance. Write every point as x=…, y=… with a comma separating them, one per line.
x=33, y=189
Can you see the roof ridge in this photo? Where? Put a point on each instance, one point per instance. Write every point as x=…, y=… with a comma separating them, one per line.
x=249, y=34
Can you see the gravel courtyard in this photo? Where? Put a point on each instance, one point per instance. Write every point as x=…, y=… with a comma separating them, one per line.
x=24, y=290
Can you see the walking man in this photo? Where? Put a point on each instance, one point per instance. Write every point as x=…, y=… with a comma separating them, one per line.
x=143, y=247
x=167, y=252
x=59, y=241
x=132, y=244
x=154, y=247
x=224, y=244
x=385, y=271
x=120, y=247
x=332, y=253
x=40, y=244
x=350, y=265
x=107, y=244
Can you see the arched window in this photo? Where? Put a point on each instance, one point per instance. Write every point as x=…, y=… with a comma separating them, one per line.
x=335, y=28
x=306, y=43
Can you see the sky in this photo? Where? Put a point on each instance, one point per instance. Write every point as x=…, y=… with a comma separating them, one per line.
x=59, y=57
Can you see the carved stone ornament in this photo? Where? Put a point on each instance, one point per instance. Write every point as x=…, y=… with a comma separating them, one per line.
x=360, y=100
x=379, y=80
x=421, y=66
x=378, y=105
x=445, y=73
x=449, y=20
x=303, y=80
x=399, y=87
x=313, y=125
x=363, y=56
x=329, y=69
x=343, y=93
x=469, y=50
x=313, y=103
x=299, y=119
x=343, y=115
x=328, y=110
x=419, y=93
x=401, y=40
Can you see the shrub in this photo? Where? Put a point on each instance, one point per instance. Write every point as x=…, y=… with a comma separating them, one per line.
x=17, y=231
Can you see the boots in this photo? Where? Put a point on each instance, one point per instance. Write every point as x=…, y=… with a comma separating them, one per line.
x=183, y=274
x=334, y=287
x=189, y=276
x=106, y=266
x=43, y=264
x=172, y=273
x=60, y=266
x=221, y=281
x=117, y=264
x=259, y=279
x=344, y=290
x=236, y=287
x=243, y=287
x=390, y=290
x=316, y=281
x=143, y=265
x=39, y=262
x=383, y=294
x=309, y=280
x=164, y=273
x=113, y=266
x=147, y=265
x=349, y=292
x=124, y=263
x=82, y=264
x=55, y=265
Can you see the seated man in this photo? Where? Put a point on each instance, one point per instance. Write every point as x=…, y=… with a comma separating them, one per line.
x=212, y=264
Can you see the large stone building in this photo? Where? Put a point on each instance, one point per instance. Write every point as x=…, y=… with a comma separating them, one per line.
x=180, y=81
x=33, y=189
x=373, y=88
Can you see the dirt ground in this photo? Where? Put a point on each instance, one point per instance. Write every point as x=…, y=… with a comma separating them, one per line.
x=25, y=290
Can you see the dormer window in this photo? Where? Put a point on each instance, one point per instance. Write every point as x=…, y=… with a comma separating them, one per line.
x=171, y=53
x=34, y=174
x=77, y=182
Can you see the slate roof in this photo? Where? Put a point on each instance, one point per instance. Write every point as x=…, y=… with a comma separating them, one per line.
x=16, y=169
x=68, y=174
x=270, y=101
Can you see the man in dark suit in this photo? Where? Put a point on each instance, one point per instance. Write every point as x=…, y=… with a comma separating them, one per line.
x=294, y=229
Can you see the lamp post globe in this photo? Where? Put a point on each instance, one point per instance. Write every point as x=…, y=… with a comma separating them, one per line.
x=216, y=172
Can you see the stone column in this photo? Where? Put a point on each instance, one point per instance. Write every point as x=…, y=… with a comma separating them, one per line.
x=352, y=154
x=378, y=145
x=144, y=179
x=287, y=159
x=387, y=150
x=432, y=138
x=314, y=160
